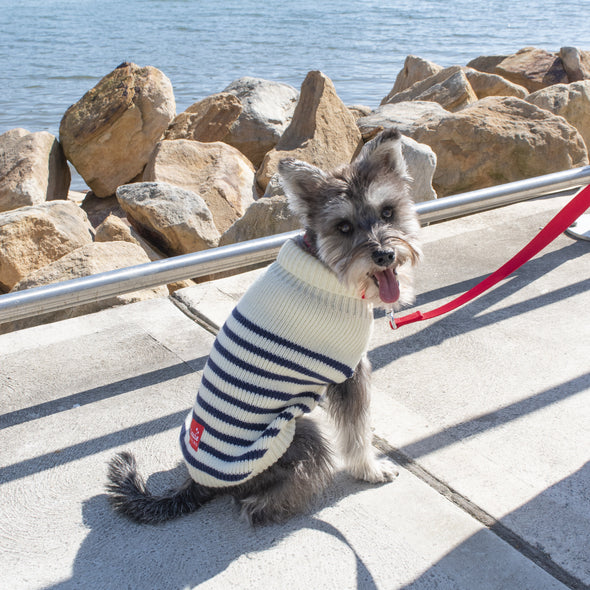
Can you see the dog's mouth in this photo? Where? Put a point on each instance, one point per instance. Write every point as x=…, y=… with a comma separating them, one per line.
x=388, y=285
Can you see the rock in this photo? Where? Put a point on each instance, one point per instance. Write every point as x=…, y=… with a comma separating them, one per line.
x=98, y=210
x=322, y=132
x=110, y=132
x=486, y=63
x=267, y=110
x=217, y=172
x=576, y=63
x=87, y=260
x=33, y=169
x=421, y=163
x=570, y=101
x=208, y=120
x=175, y=220
x=35, y=236
x=404, y=116
x=492, y=85
x=449, y=88
x=498, y=140
x=359, y=110
x=265, y=217
x=532, y=68
x=115, y=229
x=415, y=70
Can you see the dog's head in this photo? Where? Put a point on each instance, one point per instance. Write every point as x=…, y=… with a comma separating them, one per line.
x=359, y=219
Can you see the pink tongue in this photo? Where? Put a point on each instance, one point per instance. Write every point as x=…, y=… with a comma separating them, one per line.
x=388, y=286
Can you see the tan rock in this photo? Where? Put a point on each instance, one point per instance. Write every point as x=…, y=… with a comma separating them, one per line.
x=175, y=220
x=33, y=169
x=449, y=88
x=532, y=68
x=322, y=132
x=404, y=116
x=570, y=101
x=486, y=63
x=85, y=261
x=265, y=217
x=98, y=209
x=35, y=236
x=115, y=229
x=359, y=110
x=217, y=172
x=267, y=110
x=576, y=63
x=484, y=84
x=415, y=70
x=498, y=140
x=110, y=132
x=208, y=120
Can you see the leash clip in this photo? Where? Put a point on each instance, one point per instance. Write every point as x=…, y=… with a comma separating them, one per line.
x=392, y=320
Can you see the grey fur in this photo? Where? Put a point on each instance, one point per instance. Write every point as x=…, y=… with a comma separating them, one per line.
x=360, y=221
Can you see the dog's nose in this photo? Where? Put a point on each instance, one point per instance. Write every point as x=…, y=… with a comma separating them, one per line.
x=383, y=257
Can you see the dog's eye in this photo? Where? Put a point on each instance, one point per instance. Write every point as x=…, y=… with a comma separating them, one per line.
x=344, y=227
x=387, y=213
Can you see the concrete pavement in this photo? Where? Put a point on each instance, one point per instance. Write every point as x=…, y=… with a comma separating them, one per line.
x=486, y=410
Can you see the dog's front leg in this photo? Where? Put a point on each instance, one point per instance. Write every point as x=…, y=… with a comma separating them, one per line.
x=348, y=405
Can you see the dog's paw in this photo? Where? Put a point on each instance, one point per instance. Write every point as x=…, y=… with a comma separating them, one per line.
x=375, y=471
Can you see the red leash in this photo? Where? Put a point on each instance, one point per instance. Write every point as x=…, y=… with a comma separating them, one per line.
x=554, y=228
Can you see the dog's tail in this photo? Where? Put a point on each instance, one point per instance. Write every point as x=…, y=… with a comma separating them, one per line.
x=129, y=496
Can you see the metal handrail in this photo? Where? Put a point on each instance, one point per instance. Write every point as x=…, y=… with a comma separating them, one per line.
x=57, y=296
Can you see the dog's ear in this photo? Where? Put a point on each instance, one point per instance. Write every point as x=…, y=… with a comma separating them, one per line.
x=302, y=183
x=382, y=155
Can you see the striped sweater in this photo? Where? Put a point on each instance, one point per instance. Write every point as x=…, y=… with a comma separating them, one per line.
x=295, y=331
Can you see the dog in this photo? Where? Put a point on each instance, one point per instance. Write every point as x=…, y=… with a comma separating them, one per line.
x=297, y=338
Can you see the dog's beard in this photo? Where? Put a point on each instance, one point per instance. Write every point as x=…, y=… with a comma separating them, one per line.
x=384, y=287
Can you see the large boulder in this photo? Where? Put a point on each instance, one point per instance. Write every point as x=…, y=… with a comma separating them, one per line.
x=498, y=140
x=322, y=132
x=449, y=88
x=415, y=70
x=85, y=261
x=175, y=220
x=265, y=217
x=116, y=229
x=576, y=63
x=33, y=169
x=486, y=63
x=267, y=110
x=421, y=163
x=485, y=84
x=35, y=236
x=570, y=101
x=208, y=120
x=532, y=68
x=110, y=132
x=404, y=116
x=219, y=173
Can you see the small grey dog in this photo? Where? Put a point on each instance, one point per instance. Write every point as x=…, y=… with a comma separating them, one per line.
x=297, y=338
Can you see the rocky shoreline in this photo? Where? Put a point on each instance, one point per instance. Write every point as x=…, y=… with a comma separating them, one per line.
x=164, y=184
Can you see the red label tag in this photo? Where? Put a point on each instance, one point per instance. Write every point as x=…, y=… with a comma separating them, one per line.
x=195, y=434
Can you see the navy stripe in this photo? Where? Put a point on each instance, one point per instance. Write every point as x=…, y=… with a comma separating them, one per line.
x=232, y=358
x=227, y=477
x=232, y=440
x=251, y=388
x=346, y=371
x=233, y=400
x=248, y=456
x=273, y=357
x=256, y=427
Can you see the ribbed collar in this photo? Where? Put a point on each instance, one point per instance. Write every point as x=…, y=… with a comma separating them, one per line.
x=309, y=269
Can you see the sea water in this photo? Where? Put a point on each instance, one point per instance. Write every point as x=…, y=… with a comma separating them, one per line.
x=53, y=51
